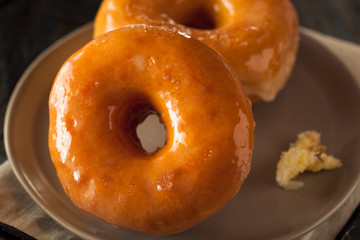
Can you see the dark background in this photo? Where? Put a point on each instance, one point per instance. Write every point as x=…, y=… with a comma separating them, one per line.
x=27, y=27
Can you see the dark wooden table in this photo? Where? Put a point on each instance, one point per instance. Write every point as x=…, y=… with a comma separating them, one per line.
x=28, y=27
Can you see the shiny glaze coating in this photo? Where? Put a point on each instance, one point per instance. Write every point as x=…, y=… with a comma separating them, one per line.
x=258, y=38
x=108, y=87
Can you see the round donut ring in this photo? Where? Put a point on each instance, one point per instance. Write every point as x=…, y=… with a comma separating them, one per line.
x=258, y=38
x=107, y=88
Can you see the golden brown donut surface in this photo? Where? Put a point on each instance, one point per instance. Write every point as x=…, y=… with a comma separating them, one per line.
x=258, y=38
x=107, y=88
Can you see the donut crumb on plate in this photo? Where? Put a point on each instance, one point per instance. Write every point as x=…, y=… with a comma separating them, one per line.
x=306, y=154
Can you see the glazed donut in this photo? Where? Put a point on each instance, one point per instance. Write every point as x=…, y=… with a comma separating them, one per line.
x=258, y=38
x=107, y=88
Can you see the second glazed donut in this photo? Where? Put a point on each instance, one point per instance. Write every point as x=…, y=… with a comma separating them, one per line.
x=107, y=88
x=258, y=38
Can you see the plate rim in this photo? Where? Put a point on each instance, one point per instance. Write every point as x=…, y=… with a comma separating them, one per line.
x=7, y=134
x=9, y=114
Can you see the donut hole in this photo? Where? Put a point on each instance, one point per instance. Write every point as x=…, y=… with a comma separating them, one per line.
x=200, y=15
x=138, y=125
x=151, y=133
x=199, y=18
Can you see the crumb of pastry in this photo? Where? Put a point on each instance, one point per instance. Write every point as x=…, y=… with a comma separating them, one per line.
x=306, y=154
x=309, y=140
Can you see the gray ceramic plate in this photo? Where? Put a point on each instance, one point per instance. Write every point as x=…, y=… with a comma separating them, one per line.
x=321, y=95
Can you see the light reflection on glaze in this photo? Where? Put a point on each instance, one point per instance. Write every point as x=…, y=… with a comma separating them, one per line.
x=111, y=111
x=63, y=140
x=228, y=5
x=60, y=101
x=139, y=62
x=241, y=140
x=179, y=137
x=90, y=193
x=111, y=6
x=216, y=7
x=261, y=62
x=255, y=28
x=110, y=20
x=184, y=34
x=77, y=175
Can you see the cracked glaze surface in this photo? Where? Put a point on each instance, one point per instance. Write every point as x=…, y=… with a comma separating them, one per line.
x=107, y=88
x=258, y=38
